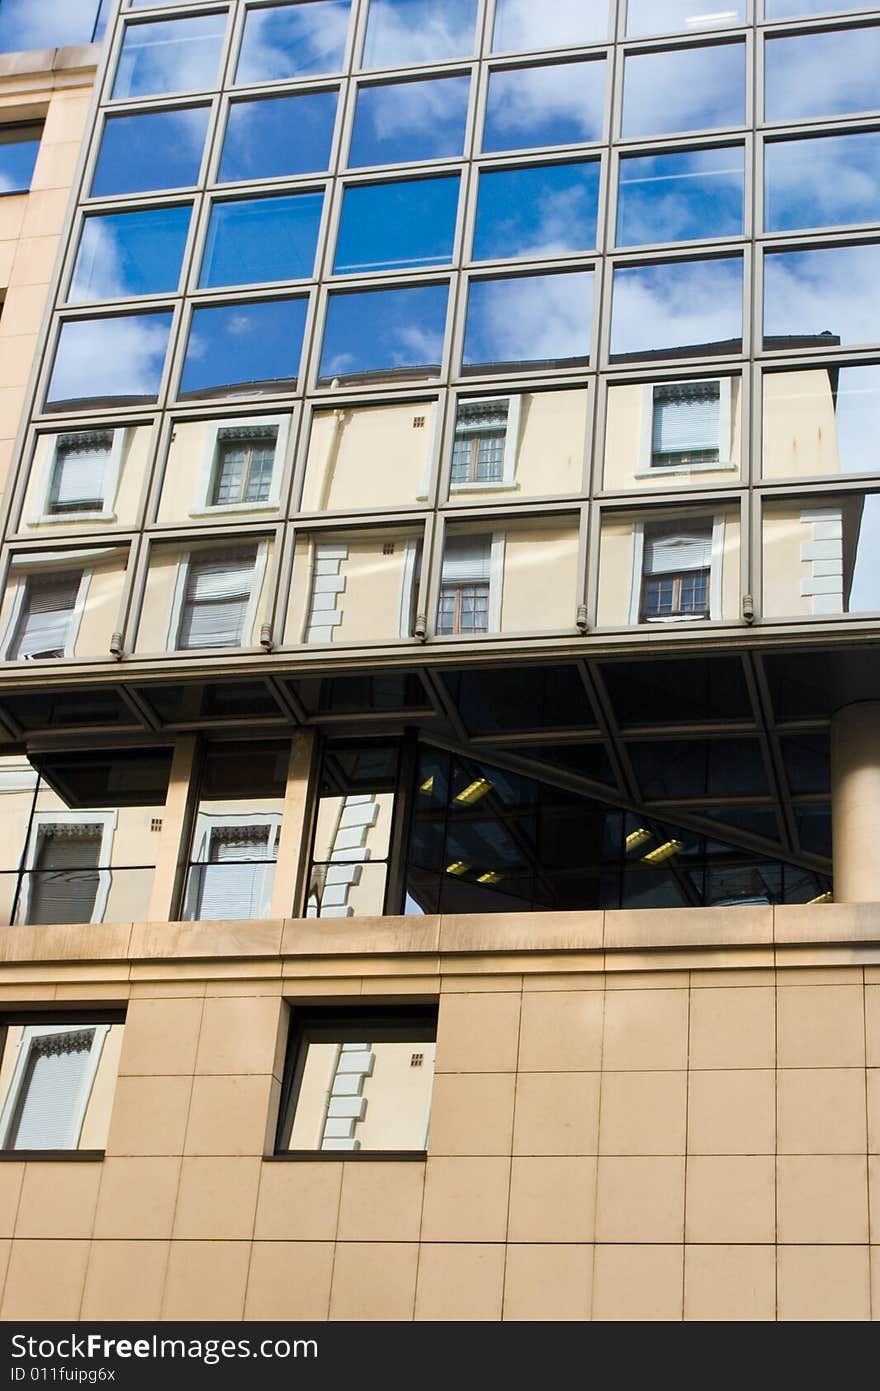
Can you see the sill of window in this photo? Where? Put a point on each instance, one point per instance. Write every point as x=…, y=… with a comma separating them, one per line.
x=686, y=469
x=501, y=487
x=344, y=1156
x=52, y=1156
x=71, y=518
x=234, y=507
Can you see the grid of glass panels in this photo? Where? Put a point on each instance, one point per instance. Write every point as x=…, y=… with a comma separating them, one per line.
x=560, y=326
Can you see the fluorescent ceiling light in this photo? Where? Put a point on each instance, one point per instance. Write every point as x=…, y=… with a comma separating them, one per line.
x=473, y=792
x=636, y=838
x=663, y=852
x=490, y=877
x=458, y=867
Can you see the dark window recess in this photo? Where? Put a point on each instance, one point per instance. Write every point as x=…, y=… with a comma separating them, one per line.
x=530, y=698
x=352, y=695
x=61, y=709
x=193, y=701
x=116, y=778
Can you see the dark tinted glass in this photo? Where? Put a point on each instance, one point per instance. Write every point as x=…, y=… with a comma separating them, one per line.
x=515, y=701
x=554, y=104
x=170, y=55
x=118, y=360
x=293, y=40
x=403, y=33
x=672, y=16
x=29, y=24
x=136, y=253
x=681, y=197
x=696, y=88
x=155, y=149
x=529, y=319
x=542, y=210
x=259, y=143
x=699, y=768
x=827, y=296
x=399, y=122
x=244, y=347
x=389, y=226
x=183, y=704
x=385, y=333
x=521, y=25
x=258, y=240
x=823, y=73
x=19, y=147
x=677, y=308
x=826, y=182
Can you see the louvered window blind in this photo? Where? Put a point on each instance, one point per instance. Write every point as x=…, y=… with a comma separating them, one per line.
x=218, y=590
x=671, y=551
x=236, y=883
x=687, y=424
x=50, y=1107
x=63, y=885
x=468, y=559
x=48, y=605
x=80, y=473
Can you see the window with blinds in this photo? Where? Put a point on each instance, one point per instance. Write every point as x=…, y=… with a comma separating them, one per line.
x=236, y=882
x=79, y=472
x=676, y=567
x=46, y=613
x=52, y=1091
x=63, y=884
x=480, y=442
x=686, y=426
x=465, y=586
x=245, y=460
x=216, y=598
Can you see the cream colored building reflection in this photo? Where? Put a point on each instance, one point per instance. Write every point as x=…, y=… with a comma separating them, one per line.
x=84, y=478
x=224, y=468
x=670, y=566
x=352, y=842
x=62, y=603
x=519, y=445
x=208, y=594
x=84, y=1057
x=364, y=1096
x=370, y=456
x=517, y=577
x=354, y=586
x=673, y=434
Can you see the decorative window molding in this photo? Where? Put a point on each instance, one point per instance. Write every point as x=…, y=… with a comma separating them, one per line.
x=69, y=822
x=181, y=587
x=44, y=1041
x=716, y=571
x=54, y=488
x=487, y=405
x=44, y=573
x=823, y=553
x=250, y=840
x=647, y=468
x=326, y=585
x=483, y=568
x=247, y=429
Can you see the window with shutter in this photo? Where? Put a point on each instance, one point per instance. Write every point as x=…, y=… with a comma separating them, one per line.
x=51, y=1096
x=686, y=426
x=64, y=881
x=46, y=612
x=245, y=460
x=676, y=567
x=465, y=586
x=79, y=472
x=235, y=883
x=480, y=442
x=216, y=598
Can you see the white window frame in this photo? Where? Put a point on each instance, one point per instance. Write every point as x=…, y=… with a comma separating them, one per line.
x=107, y=513
x=204, y=507
x=107, y=820
x=181, y=579
x=30, y=1034
x=209, y=821
x=496, y=587
x=407, y=583
x=22, y=569
x=725, y=464
x=716, y=576
x=511, y=444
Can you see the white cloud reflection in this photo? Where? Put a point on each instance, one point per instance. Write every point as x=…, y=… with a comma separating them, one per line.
x=832, y=289
x=684, y=304
x=554, y=104
x=402, y=33
x=684, y=89
x=110, y=357
x=824, y=73
x=288, y=39
x=539, y=318
x=521, y=25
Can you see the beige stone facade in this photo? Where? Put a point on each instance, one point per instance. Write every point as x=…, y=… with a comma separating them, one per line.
x=635, y=1116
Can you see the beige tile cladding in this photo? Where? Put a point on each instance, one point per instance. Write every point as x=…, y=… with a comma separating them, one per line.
x=660, y=1144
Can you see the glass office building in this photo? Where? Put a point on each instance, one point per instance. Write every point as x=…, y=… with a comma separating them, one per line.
x=470, y=412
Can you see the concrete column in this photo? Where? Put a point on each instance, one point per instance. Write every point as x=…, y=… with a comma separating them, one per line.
x=855, y=802
x=176, y=826
x=293, y=843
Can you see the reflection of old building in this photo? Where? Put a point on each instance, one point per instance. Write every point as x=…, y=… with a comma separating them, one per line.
x=439, y=694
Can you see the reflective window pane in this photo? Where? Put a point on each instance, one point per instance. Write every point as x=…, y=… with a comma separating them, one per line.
x=698, y=88
x=823, y=73
x=399, y=122
x=521, y=578
x=376, y=573
x=672, y=16
x=821, y=555
x=529, y=320
x=826, y=182
x=823, y=297
x=293, y=40
x=525, y=445
x=222, y=465
x=170, y=55
x=19, y=147
x=673, y=567
x=556, y=104
x=369, y=456
x=258, y=142
x=154, y=149
x=403, y=33
x=678, y=308
x=136, y=253
x=247, y=348
x=118, y=360
x=821, y=421
x=376, y=334
x=542, y=210
x=681, y=197
x=31, y=24
x=795, y=9
x=673, y=434
x=390, y=226
x=521, y=25
x=258, y=240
